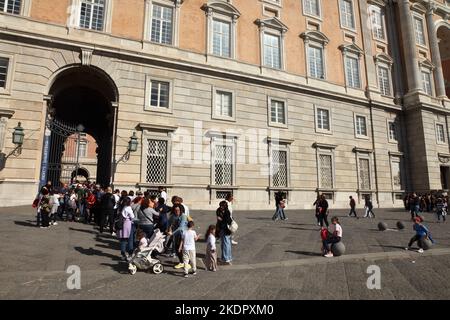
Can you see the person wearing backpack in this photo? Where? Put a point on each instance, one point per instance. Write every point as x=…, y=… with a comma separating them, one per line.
x=107, y=203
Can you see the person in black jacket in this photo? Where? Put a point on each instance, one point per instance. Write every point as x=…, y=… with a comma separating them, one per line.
x=279, y=203
x=107, y=203
x=223, y=220
x=323, y=211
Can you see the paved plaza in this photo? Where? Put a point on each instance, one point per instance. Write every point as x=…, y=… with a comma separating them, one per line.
x=271, y=261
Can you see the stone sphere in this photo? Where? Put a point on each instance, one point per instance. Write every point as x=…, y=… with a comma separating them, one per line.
x=338, y=249
x=425, y=244
x=400, y=225
x=382, y=226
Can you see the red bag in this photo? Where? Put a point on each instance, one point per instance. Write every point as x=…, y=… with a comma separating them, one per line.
x=35, y=203
x=324, y=234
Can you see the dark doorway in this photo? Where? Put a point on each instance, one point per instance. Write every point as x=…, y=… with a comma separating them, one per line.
x=81, y=97
x=445, y=174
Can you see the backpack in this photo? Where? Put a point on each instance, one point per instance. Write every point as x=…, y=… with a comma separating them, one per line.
x=118, y=223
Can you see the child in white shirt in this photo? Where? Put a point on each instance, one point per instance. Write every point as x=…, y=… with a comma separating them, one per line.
x=188, y=245
x=211, y=253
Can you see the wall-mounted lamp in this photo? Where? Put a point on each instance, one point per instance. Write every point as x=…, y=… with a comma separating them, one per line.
x=132, y=147
x=17, y=138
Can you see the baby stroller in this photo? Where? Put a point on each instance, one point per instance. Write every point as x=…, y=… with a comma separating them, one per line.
x=143, y=259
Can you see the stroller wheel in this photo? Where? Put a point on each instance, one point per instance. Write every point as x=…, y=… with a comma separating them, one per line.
x=132, y=268
x=158, y=268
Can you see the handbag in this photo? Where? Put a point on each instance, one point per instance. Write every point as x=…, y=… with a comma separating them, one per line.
x=233, y=226
x=118, y=224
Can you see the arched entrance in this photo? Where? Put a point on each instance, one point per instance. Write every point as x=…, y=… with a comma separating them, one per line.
x=443, y=34
x=81, y=104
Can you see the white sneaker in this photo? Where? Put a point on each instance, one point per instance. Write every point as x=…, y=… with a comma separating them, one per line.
x=113, y=234
x=55, y=223
x=420, y=250
x=407, y=248
x=234, y=242
x=329, y=255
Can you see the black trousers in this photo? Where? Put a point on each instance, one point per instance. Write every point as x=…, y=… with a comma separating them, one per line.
x=45, y=219
x=352, y=210
x=323, y=218
x=107, y=216
x=414, y=239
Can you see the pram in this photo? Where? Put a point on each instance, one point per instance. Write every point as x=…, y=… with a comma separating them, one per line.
x=143, y=260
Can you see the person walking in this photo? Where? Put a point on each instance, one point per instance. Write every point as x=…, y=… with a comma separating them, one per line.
x=279, y=207
x=316, y=205
x=54, y=203
x=162, y=193
x=352, y=207
x=440, y=210
x=323, y=211
x=187, y=246
x=45, y=209
x=223, y=221
x=211, y=252
x=179, y=225
x=369, y=208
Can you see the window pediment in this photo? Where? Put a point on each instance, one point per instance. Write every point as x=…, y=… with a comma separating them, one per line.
x=273, y=23
x=224, y=8
x=419, y=8
x=351, y=48
x=315, y=36
x=383, y=58
x=379, y=3
x=427, y=64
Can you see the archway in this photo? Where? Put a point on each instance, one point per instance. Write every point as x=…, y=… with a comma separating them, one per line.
x=80, y=175
x=443, y=34
x=81, y=105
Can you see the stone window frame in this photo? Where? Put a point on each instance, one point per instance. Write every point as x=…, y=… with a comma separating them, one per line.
x=278, y=3
x=225, y=12
x=155, y=132
x=381, y=6
x=418, y=11
x=9, y=74
x=176, y=6
x=366, y=154
x=385, y=61
x=148, y=94
x=326, y=149
x=330, y=120
x=360, y=136
x=274, y=27
x=277, y=144
x=25, y=8
x=216, y=116
x=270, y=123
x=271, y=7
x=436, y=125
x=315, y=39
x=319, y=17
x=352, y=51
x=74, y=19
x=354, y=29
x=397, y=157
x=395, y=122
x=426, y=66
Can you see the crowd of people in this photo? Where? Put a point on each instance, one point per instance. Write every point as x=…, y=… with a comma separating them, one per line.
x=134, y=216
x=417, y=204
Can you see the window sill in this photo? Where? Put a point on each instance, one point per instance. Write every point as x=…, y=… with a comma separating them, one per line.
x=228, y=119
x=152, y=185
x=217, y=187
x=319, y=18
x=278, y=125
x=323, y=131
x=362, y=137
x=159, y=109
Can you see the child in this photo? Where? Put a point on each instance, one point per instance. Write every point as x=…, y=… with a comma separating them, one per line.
x=142, y=238
x=211, y=253
x=422, y=232
x=45, y=209
x=335, y=237
x=187, y=244
x=324, y=234
x=54, y=203
x=440, y=209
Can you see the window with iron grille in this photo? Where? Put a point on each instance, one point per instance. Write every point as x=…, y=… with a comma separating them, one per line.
x=223, y=165
x=222, y=194
x=312, y=7
x=279, y=168
x=277, y=111
x=426, y=82
x=272, y=51
x=221, y=38
x=92, y=14
x=224, y=104
x=326, y=171
x=162, y=24
x=364, y=174
x=420, y=34
x=160, y=94
x=347, y=15
x=157, y=161
x=352, y=72
x=440, y=133
x=392, y=131
x=4, y=63
x=377, y=17
x=10, y=6
x=396, y=175
x=361, y=126
x=323, y=119
x=384, y=81
x=315, y=62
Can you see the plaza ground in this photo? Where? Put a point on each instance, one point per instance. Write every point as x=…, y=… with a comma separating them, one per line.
x=271, y=261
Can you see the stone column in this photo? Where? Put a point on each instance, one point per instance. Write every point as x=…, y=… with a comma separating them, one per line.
x=409, y=45
x=435, y=53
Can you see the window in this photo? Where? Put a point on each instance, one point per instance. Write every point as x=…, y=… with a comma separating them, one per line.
x=426, y=82
x=315, y=62
x=396, y=174
x=392, y=131
x=162, y=24
x=364, y=174
x=82, y=149
x=160, y=94
x=347, y=14
x=92, y=14
x=224, y=104
x=4, y=65
x=326, y=171
x=279, y=171
x=384, y=80
x=311, y=7
x=419, y=28
x=156, y=161
x=223, y=165
x=352, y=72
x=378, y=20
x=10, y=6
x=361, y=126
x=277, y=112
x=272, y=52
x=323, y=119
x=440, y=133
x=221, y=38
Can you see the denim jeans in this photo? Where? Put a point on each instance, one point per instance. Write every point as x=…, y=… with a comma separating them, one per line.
x=279, y=214
x=132, y=238
x=38, y=218
x=226, y=247
x=148, y=229
x=123, y=246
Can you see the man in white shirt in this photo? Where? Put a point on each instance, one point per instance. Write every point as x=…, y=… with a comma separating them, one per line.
x=163, y=194
x=229, y=199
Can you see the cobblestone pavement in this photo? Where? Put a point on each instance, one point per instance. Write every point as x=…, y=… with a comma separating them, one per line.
x=273, y=260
